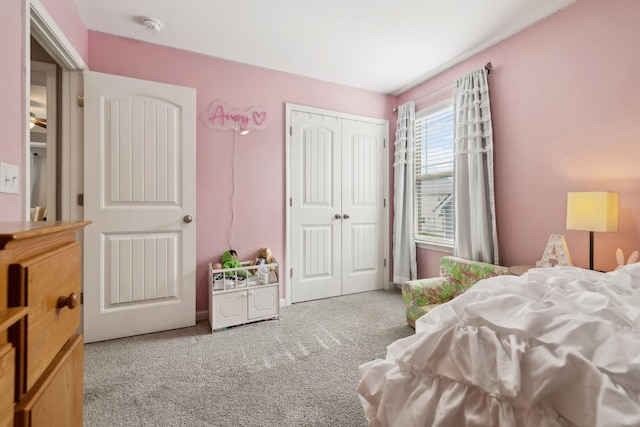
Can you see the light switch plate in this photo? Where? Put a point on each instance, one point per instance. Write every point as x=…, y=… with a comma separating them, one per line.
x=9, y=178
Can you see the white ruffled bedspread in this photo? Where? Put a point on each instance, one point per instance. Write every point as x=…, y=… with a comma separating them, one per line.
x=555, y=347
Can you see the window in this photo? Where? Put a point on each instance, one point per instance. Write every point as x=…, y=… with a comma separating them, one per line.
x=433, y=192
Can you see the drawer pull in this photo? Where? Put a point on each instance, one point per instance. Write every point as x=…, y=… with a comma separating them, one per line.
x=71, y=301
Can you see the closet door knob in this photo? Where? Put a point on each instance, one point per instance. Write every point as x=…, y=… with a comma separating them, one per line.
x=338, y=216
x=346, y=216
x=187, y=219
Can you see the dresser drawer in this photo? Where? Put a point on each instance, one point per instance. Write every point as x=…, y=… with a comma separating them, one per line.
x=55, y=400
x=44, y=280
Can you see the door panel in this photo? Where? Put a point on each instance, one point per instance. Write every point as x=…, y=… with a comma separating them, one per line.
x=140, y=269
x=229, y=308
x=363, y=201
x=143, y=145
x=263, y=302
x=139, y=184
x=315, y=172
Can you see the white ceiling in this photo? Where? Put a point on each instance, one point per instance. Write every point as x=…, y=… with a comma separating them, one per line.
x=384, y=46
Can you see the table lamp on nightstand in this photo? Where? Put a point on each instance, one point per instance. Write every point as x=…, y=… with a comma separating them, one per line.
x=592, y=211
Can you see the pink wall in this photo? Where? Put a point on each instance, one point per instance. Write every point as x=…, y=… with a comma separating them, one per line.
x=260, y=173
x=565, y=117
x=67, y=19
x=11, y=106
x=12, y=81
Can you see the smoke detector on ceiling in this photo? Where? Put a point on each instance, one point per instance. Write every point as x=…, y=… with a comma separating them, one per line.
x=152, y=24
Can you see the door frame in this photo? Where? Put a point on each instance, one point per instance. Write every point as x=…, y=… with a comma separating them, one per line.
x=289, y=108
x=39, y=24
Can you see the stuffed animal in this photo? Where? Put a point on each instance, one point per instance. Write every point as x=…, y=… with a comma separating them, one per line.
x=264, y=256
x=620, y=258
x=230, y=260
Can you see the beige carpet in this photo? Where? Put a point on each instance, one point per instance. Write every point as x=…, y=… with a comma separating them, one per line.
x=301, y=370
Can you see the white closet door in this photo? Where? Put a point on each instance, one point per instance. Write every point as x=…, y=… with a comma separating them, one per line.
x=316, y=199
x=362, y=206
x=337, y=186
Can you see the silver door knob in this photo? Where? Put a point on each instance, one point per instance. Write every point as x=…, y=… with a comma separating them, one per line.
x=338, y=216
x=346, y=216
x=187, y=219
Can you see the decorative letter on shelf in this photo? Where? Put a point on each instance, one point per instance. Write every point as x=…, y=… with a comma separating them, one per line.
x=556, y=253
x=219, y=116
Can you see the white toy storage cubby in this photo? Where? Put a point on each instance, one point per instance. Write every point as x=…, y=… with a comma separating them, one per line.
x=235, y=299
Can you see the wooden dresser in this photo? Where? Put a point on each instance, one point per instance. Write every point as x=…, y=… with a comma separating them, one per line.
x=41, y=355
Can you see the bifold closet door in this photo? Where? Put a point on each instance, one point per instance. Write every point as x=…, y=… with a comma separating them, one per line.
x=337, y=206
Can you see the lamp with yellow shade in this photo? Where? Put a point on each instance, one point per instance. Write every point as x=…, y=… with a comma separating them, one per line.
x=592, y=211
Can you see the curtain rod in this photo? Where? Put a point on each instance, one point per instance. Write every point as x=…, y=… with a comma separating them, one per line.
x=488, y=66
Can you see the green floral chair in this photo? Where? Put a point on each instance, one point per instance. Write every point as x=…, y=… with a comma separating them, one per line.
x=456, y=276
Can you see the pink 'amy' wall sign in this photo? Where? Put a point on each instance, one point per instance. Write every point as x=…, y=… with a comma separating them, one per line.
x=219, y=116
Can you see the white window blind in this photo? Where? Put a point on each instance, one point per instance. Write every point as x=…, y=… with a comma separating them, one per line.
x=434, y=198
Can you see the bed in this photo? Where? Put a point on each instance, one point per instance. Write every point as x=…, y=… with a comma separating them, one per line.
x=554, y=347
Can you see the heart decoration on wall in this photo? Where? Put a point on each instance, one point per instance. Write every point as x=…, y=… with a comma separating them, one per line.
x=259, y=117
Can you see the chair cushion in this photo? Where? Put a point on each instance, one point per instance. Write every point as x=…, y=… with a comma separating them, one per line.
x=457, y=275
x=467, y=273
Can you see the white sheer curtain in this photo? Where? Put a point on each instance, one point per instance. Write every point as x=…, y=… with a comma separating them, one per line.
x=476, y=237
x=404, y=246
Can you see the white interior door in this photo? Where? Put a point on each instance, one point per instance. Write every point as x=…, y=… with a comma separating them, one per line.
x=139, y=183
x=337, y=187
x=363, y=165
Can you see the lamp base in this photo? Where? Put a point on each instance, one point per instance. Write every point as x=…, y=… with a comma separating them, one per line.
x=591, y=250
